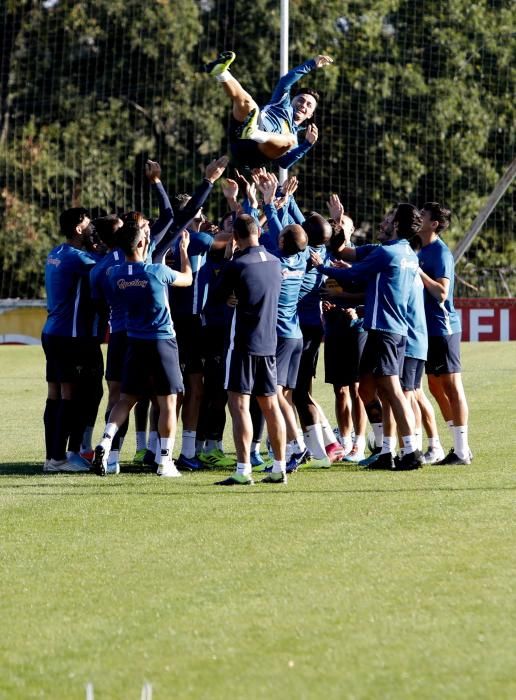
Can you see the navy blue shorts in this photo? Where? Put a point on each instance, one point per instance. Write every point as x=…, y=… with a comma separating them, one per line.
x=383, y=354
x=342, y=354
x=188, y=334
x=412, y=373
x=288, y=358
x=151, y=368
x=251, y=374
x=244, y=152
x=117, y=347
x=443, y=354
x=70, y=359
x=312, y=338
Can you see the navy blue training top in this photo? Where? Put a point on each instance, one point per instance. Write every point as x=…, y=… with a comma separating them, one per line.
x=254, y=276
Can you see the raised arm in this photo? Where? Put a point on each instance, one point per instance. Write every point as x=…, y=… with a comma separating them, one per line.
x=184, y=278
x=212, y=173
x=284, y=84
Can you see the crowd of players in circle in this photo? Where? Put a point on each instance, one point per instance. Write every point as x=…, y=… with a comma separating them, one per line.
x=203, y=316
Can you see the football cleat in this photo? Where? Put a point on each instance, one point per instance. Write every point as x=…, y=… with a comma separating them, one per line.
x=249, y=125
x=216, y=458
x=76, y=459
x=189, y=464
x=149, y=458
x=139, y=456
x=275, y=478
x=168, y=469
x=323, y=463
x=453, y=459
x=410, y=461
x=53, y=466
x=355, y=455
x=381, y=461
x=100, y=461
x=372, y=457
x=236, y=479
x=256, y=459
x=113, y=468
x=335, y=452
x=220, y=64
x=87, y=455
x=434, y=455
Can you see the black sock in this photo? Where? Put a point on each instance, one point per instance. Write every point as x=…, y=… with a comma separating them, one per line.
x=64, y=422
x=50, y=420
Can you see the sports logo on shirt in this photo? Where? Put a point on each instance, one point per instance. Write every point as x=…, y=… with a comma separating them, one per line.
x=53, y=261
x=409, y=264
x=124, y=284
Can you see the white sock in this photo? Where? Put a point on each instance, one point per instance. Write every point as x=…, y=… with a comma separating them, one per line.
x=278, y=466
x=244, y=469
x=388, y=445
x=199, y=446
x=165, y=450
x=299, y=443
x=210, y=445
x=409, y=444
x=347, y=443
x=378, y=433
x=109, y=434
x=151, y=445
x=449, y=423
x=460, y=441
x=86, y=445
x=418, y=433
x=290, y=450
x=223, y=77
x=434, y=442
x=314, y=440
x=188, y=444
x=113, y=457
x=255, y=447
x=328, y=434
x=141, y=440
x=360, y=442
x=259, y=136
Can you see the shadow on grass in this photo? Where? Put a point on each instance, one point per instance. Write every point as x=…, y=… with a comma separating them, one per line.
x=92, y=485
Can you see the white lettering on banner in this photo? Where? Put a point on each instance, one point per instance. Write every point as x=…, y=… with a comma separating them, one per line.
x=475, y=327
x=505, y=327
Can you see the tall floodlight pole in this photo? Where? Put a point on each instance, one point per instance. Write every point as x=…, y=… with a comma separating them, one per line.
x=283, y=59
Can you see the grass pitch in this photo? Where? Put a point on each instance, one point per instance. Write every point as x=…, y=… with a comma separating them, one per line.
x=343, y=584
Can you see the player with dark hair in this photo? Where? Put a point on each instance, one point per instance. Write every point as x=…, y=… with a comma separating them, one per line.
x=443, y=365
x=389, y=270
x=66, y=337
x=254, y=277
x=151, y=365
x=270, y=134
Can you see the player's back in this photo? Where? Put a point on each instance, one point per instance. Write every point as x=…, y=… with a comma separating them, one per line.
x=142, y=288
x=257, y=276
x=70, y=312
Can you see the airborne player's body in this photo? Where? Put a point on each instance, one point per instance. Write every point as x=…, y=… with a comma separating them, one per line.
x=270, y=134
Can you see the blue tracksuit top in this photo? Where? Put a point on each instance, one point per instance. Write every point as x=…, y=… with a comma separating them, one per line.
x=142, y=289
x=191, y=300
x=70, y=311
x=389, y=270
x=102, y=290
x=278, y=114
x=293, y=268
x=254, y=276
x=417, y=335
x=437, y=261
x=309, y=306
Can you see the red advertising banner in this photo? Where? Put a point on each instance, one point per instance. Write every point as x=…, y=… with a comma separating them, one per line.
x=487, y=319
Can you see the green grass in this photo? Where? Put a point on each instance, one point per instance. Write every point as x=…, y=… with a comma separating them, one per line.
x=343, y=584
